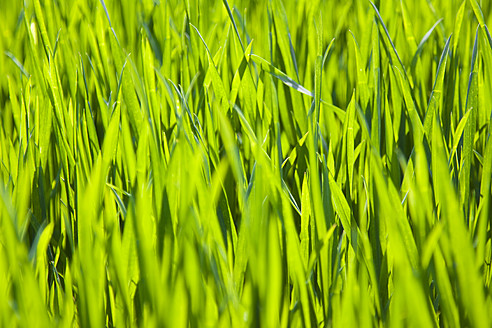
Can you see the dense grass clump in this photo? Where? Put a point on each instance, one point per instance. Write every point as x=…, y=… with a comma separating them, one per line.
x=245, y=163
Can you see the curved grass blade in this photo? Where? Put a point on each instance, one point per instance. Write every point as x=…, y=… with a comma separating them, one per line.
x=458, y=133
x=423, y=42
x=231, y=17
x=478, y=12
x=17, y=63
x=216, y=80
x=437, y=90
x=417, y=126
x=266, y=66
x=389, y=38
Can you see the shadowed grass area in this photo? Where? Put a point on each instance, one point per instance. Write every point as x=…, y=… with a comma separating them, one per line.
x=245, y=163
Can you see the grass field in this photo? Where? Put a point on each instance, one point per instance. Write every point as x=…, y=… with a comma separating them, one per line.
x=238, y=163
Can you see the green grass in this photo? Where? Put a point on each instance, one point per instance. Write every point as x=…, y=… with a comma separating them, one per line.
x=245, y=163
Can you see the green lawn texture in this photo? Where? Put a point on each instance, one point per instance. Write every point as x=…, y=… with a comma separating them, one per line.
x=238, y=163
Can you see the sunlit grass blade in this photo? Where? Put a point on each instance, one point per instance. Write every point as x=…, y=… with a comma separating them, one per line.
x=435, y=97
x=470, y=129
